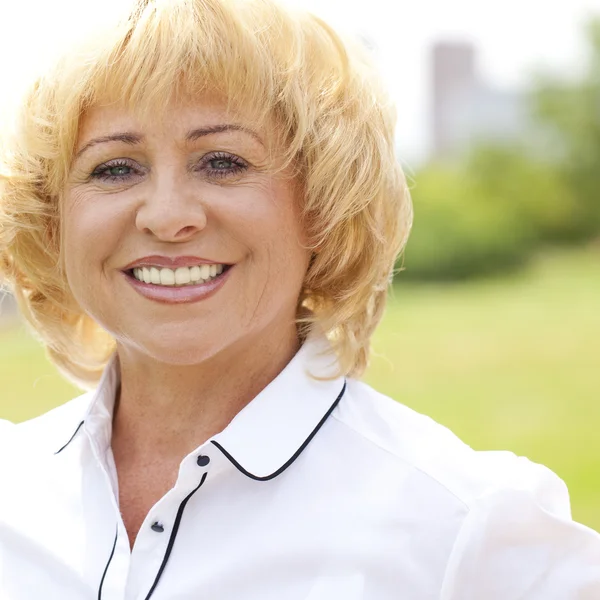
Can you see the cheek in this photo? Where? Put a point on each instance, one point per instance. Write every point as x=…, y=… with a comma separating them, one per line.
x=90, y=230
x=268, y=223
x=289, y=238
x=283, y=242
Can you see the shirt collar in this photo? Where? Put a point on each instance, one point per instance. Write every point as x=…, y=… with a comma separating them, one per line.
x=268, y=434
x=98, y=405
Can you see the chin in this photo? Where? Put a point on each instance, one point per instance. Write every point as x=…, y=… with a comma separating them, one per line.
x=177, y=344
x=178, y=352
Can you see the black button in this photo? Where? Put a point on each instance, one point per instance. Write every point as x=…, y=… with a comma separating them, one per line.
x=203, y=460
x=157, y=527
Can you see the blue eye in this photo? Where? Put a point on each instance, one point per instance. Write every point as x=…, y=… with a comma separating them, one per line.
x=215, y=165
x=114, y=171
x=222, y=164
x=118, y=170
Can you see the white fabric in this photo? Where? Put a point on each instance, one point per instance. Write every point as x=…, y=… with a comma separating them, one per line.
x=382, y=503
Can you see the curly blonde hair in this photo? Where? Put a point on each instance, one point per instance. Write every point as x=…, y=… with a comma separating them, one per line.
x=337, y=121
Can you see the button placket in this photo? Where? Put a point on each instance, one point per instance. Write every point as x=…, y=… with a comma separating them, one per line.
x=202, y=460
x=159, y=535
x=174, y=530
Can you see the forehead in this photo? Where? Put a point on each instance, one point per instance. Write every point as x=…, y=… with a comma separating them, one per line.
x=175, y=120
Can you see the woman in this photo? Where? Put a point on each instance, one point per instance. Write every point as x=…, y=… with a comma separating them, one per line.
x=201, y=209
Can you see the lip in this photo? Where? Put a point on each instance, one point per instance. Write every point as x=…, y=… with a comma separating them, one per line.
x=170, y=262
x=178, y=294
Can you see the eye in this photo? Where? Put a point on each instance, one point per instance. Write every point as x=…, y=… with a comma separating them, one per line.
x=221, y=164
x=116, y=171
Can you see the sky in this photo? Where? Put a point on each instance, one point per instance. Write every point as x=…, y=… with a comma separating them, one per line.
x=514, y=39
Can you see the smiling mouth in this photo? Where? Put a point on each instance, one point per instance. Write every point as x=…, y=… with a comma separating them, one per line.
x=180, y=277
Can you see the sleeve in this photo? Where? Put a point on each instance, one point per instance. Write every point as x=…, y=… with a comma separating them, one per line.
x=6, y=428
x=520, y=543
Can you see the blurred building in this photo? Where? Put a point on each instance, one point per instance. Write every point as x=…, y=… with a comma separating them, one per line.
x=465, y=109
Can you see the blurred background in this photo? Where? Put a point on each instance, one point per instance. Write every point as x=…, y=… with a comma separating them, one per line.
x=493, y=326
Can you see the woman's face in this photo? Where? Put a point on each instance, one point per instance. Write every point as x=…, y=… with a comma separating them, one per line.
x=177, y=238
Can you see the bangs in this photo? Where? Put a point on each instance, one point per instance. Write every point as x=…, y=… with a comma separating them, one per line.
x=173, y=46
x=249, y=55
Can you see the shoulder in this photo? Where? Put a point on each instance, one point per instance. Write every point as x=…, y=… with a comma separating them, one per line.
x=516, y=538
x=438, y=455
x=47, y=432
x=7, y=429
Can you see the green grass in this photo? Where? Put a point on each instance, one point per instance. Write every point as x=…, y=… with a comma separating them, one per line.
x=510, y=363
x=29, y=384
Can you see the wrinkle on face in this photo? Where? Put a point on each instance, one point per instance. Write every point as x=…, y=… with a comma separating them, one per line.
x=252, y=221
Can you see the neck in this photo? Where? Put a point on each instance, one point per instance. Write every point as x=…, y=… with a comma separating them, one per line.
x=168, y=410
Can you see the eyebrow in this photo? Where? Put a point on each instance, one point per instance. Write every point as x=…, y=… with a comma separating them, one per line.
x=203, y=131
x=127, y=138
x=135, y=138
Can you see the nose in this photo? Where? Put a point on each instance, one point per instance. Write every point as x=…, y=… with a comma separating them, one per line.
x=172, y=211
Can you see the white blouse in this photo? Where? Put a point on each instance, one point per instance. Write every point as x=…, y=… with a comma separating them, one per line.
x=317, y=490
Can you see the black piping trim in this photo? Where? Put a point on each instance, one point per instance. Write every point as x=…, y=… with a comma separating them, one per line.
x=71, y=438
x=112, y=553
x=296, y=454
x=174, y=535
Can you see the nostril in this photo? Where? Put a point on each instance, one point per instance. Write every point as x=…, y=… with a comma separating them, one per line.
x=186, y=231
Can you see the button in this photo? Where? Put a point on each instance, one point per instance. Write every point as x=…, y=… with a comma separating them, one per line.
x=203, y=460
x=156, y=526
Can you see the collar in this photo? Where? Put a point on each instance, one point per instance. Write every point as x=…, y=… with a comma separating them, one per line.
x=94, y=409
x=268, y=434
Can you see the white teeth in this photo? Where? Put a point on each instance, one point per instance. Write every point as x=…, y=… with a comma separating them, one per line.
x=180, y=276
x=167, y=277
x=195, y=274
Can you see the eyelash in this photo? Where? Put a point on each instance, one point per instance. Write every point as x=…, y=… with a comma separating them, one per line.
x=238, y=165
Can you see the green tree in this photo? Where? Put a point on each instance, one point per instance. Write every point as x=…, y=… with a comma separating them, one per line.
x=459, y=231
x=486, y=214
x=569, y=112
x=530, y=188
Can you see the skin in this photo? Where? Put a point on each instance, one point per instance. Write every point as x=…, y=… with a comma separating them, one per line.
x=186, y=369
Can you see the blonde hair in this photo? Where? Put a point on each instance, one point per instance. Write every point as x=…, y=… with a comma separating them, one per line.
x=333, y=113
